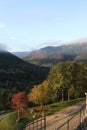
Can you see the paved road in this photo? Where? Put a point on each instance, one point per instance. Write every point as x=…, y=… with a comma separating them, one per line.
x=61, y=117
x=56, y=120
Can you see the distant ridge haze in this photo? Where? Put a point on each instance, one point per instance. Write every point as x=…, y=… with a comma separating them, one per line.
x=51, y=55
x=51, y=48
x=79, y=41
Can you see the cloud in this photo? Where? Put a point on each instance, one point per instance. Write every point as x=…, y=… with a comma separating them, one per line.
x=2, y=25
x=52, y=43
x=12, y=38
x=3, y=47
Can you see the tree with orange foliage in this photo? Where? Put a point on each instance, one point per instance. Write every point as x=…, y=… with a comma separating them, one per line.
x=19, y=102
x=41, y=94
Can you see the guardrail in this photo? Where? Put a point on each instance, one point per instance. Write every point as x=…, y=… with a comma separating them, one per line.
x=39, y=124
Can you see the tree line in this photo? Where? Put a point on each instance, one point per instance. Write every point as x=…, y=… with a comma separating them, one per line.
x=65, y=81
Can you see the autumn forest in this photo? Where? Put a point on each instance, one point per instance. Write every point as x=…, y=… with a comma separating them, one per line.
x=65, y=81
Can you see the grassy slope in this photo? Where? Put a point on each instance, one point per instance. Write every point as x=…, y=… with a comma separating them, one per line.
x=9, y=122
x=61, y=105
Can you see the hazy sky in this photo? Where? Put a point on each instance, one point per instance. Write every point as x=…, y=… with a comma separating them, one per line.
x=30, y=24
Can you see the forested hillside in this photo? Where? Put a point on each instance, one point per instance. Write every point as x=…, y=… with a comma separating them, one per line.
x=18, y=74
x=64, y=81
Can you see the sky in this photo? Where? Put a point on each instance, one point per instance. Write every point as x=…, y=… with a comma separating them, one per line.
x=31, y=24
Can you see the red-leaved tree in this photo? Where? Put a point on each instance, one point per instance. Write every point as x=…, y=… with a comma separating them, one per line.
x=19, y=102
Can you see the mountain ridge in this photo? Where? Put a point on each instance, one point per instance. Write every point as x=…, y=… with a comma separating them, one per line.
x=67, y=52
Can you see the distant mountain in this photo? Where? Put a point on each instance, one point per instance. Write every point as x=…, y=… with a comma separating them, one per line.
x=21, y=54
x=51, y=55
x=19, y=73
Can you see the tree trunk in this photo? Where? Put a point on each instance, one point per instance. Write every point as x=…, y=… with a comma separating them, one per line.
x=41, y=107
x=18, y=118
x=68, y=96
x=62, y=96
